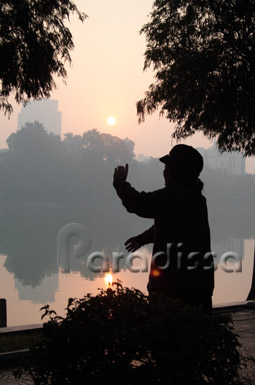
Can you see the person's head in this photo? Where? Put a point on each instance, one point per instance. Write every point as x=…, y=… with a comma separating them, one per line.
x=183, y=165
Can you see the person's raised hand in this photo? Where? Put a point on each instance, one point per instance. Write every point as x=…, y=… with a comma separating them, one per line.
x=120, y=173
x=132, y=244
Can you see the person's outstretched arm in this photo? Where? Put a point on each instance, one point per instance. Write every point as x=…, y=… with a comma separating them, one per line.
x=134, y=243
x=146, y=205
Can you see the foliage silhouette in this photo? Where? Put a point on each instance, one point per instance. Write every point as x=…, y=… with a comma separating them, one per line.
x=34, y=46
x=202, y=53
x=122, y=336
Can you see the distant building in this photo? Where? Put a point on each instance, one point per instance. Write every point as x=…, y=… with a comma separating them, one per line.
x=45, y=112
x=232, y=163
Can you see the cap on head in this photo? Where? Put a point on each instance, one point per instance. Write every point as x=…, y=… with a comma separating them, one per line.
x=185, y=160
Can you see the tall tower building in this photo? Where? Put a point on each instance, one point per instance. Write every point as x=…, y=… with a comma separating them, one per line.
x=45, y=112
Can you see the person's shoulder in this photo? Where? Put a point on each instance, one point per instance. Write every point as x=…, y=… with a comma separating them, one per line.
x=165, y=194
x=165, y=190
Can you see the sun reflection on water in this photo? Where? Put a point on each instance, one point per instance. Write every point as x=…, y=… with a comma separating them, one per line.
x=108, y=279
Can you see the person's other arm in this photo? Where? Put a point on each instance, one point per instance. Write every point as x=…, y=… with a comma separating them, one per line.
x=134, y=243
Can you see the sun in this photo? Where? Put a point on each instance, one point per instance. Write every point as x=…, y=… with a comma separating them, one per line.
x=111, y=120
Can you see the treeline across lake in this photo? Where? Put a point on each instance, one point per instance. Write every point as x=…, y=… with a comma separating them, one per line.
x=40, y=168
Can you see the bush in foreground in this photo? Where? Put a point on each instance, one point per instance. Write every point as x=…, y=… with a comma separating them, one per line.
x=124, y=337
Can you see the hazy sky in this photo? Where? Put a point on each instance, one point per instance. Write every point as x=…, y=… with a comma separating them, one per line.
x=107, y=79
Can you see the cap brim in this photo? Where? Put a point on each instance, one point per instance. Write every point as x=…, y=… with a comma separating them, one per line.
x=165, y=159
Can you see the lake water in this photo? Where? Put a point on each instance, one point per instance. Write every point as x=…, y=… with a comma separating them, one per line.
x=32, y=273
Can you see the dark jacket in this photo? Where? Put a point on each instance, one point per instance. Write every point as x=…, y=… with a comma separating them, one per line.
x=180, y=228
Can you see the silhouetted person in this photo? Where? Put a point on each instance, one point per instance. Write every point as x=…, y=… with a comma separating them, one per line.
x=182, y=264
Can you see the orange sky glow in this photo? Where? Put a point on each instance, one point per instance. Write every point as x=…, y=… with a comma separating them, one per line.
x=106, y=78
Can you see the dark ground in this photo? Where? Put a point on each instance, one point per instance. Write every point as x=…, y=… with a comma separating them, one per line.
x=244, y=323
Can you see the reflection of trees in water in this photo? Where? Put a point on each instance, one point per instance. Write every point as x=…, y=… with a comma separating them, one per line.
x=28, y=236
